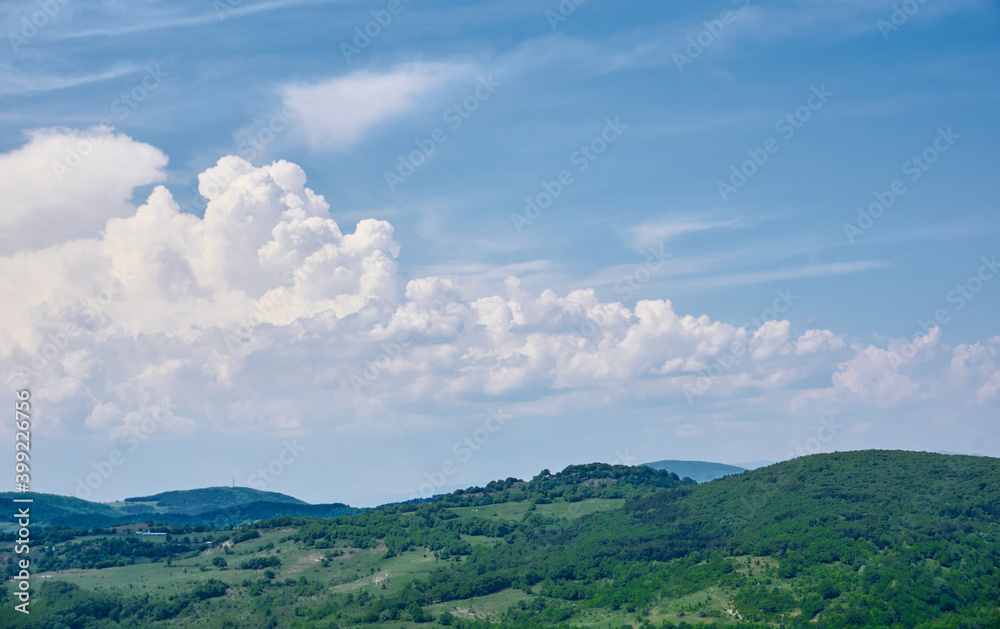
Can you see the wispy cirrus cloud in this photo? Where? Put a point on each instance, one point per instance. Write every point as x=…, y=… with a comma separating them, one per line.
x=337, y=113
x=208, y=14
x=16, y=83
x=813, y=270
x=656, y=232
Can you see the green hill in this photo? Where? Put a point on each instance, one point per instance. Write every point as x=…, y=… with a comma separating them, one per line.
x=879, y=539
x=216, y=506
x=698, y=471
x=822, y=502
x=49, y=509
x=194, y=501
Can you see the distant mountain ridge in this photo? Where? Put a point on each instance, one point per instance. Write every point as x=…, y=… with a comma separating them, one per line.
x=698, y=471
x=217, y=506
x=194, y=501
x=225, y=506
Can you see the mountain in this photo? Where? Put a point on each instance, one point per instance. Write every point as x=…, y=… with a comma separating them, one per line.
x=215, y=506
x=848, y=540
x=873, y=499
x=51, y=509
x=194, y=501
x=698, y=471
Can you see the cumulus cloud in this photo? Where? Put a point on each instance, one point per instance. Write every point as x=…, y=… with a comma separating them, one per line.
x=872, y=375
x=266, y=313
x=818, y=341
x=65, y=184
x=979, y=362
x=335, y=114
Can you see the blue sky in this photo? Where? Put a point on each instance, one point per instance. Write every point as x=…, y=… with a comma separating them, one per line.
x=683, y=93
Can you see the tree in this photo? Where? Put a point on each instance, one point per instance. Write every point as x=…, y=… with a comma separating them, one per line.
x=210, y=589
x=827, y=589
x=419, y=615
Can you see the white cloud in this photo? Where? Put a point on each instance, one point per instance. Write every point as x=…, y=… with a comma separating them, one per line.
x=979, y=363
x=65, y=184
x=872, y=375
x=337, y=113
x=15, y=83
x=771, y=340
x=266, y=314
x=816, y=341
x=654, y=233
x=815, y=270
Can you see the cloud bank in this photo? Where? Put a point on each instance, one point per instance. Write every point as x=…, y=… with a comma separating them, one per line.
x=267, y=315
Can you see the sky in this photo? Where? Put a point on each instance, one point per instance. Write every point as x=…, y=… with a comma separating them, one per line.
x=368, y=251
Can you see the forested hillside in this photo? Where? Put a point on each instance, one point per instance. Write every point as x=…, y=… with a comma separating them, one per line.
x=856, y=539
x=214, y=506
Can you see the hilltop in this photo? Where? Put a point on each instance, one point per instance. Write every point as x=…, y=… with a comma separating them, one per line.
x=217, y=506
x=193, y=501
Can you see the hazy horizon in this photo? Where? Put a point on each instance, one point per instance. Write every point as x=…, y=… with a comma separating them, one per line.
x=378, y=500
